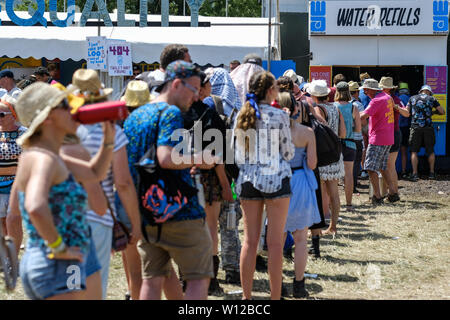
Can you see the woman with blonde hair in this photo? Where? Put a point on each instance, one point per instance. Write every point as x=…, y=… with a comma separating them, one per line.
x=263, y=177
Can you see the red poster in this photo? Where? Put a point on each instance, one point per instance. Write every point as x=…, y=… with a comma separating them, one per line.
x=320, y=73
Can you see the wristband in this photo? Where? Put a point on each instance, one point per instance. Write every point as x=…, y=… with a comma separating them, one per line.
x=54, y=244
x=59, y=249
x=108, y=145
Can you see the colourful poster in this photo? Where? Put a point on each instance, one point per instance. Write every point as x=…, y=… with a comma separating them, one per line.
x=320, y=73
x=442, y=99
x=11, y=63
x=436, y=78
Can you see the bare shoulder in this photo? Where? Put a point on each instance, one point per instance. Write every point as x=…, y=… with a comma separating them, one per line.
x=75, y=151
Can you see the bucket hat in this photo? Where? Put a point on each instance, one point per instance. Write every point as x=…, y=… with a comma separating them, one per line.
x=34, y=105
x=387, y=83
x=294, y=77
x=318, y=88
x=353, y=86
x=426, y=87
x=89, y=86
x=403, y=85
x=137, y=94
x=370, y=84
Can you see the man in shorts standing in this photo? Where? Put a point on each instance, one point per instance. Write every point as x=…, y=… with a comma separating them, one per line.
x=422, y=132
x=185, y=238
x=380, y=112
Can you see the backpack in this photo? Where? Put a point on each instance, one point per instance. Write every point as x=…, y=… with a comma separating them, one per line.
x=161, y=192
x=231, y=169
x=327, y=142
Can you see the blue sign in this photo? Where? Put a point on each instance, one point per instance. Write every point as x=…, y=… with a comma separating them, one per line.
x=318, y=12
x=440, y=16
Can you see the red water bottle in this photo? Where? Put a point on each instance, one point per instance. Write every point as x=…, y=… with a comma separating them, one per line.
x=100, y=112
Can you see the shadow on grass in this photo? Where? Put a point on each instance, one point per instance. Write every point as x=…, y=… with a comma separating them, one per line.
x=328, y=240
x=345, y=261
x=412, y=204
x=366, y=236
x=351, y=224
x=343, y=228
x=338, y=277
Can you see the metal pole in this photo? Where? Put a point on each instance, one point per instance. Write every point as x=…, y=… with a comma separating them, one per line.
x=184, y=7
x=270, y=36
x=226, y=8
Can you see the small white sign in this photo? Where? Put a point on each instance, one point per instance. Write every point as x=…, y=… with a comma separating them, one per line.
x=96, y=53
x=119, y=58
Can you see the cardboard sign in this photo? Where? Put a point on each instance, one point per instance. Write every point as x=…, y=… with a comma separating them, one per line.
x=96, y=53
x=321, y=73
x=119, y=58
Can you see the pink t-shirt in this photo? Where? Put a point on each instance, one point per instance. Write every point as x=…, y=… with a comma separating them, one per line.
x=381, y=120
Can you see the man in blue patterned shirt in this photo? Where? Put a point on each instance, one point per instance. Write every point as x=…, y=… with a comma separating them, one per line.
x=185, y=237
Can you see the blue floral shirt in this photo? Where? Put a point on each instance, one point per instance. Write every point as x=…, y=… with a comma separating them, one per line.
x=140, y=128
x=421, y=107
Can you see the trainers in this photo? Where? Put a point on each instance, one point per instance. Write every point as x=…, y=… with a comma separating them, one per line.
x=376, y=201
x=414, y=178
x=432, y=176
x=404, y=176
x=393, y=197
x=232, y=277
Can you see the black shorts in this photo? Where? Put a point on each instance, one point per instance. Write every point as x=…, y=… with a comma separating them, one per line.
x=348, y=153
x=422, y=137
x=248, y=192
x=397, y=141
x=405, y=136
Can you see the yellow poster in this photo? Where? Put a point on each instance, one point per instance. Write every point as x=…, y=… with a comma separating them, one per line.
x=10, y=63
x=442, y=99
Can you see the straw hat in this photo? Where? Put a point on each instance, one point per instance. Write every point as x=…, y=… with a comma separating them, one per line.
x=34, y=106
x=387, y=83
x=75, y=102
x=294, y=77
x=318, y=88
x=88, y=83
x=370, y=84
x=137, y=94
x=353, y=86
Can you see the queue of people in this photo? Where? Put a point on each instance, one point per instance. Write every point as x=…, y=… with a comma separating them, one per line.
x=65, y=183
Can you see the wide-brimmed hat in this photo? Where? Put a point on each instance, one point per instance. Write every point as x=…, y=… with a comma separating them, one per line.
x=371, y=84
x=34, y=105
x=75, y=102
x=387, y=83
x=342, y=86
x=426, y=87
x=137, y=94
x=353, y=86
x=294, y=77
x=318, y=88
x=89, y=86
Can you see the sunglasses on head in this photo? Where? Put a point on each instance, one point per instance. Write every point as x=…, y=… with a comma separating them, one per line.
x=4, y=114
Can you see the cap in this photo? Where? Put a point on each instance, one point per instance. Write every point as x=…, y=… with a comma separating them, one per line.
x=179, y=70
x=41, y=71
x=6, y=73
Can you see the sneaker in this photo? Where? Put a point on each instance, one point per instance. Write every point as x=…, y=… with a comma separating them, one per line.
x=414, y=178
x=404, y=176
x=432, y=176
x=393, y=197
x=232, y=277
x=376, y=201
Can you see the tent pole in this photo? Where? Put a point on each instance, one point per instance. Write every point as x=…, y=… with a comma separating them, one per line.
x=269, y=53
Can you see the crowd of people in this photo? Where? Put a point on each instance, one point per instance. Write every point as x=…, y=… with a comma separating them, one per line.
x=65, y=183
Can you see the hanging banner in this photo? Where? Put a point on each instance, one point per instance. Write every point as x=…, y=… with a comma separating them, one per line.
x=96, y=53
x=119, y=58
x=436, y=78
x=321, y=73
x=9, y=63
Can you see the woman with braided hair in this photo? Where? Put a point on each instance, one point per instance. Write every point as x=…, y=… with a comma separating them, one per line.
x=263, y=149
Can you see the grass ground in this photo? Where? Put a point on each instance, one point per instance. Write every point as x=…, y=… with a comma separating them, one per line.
x=394, y=251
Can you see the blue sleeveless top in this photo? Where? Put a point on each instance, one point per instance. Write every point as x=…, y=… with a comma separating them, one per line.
x=68, y=204
x=299, y=155
x=347, y=113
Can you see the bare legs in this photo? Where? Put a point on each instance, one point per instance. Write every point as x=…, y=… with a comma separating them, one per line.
x=392, y=172
x=301, y=252
x=212, y=218
x=132, y=265
x=348, y=182
x=333, y=192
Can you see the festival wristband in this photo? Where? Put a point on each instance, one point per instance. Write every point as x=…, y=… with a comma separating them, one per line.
x=54, y=244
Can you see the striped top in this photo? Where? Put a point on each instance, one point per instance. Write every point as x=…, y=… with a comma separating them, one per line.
x=9, y=150
x=91, y=137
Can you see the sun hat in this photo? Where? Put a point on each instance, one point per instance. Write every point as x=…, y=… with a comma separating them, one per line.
x=370, y=84
x=387, y=83
x=137, y=94
x=294, y=77
x=34, y=105
x=89, y=86
x=403, y=85
x=179, y=70
x=342, y=86
x=426, y=87
x=75, y=102
x=318, y=88
x=353, y=86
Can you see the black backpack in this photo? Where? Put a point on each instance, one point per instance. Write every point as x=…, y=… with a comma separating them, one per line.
x=328, y=144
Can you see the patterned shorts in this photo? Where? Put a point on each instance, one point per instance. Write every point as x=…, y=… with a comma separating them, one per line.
x=376, y=157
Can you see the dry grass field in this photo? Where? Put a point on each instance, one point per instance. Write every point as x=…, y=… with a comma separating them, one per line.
x=393, y=251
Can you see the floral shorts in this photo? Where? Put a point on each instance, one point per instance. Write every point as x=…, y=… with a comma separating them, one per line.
x=211, y=187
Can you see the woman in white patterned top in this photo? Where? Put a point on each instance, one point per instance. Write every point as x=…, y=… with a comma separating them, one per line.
x=263, y=132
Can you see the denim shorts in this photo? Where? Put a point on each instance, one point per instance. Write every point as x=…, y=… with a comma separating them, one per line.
x=248, y=191
x=43, y=278
x=92, y=262
x=4, y=204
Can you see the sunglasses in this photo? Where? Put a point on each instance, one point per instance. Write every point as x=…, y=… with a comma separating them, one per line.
x=190, y=87
x=3, y=114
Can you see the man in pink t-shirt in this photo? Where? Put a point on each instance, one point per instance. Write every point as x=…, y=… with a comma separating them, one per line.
x=380, y=112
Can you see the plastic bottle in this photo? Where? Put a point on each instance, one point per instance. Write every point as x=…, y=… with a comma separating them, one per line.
x=231, y=215
x=200, y=192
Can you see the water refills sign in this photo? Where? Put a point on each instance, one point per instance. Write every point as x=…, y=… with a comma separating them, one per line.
x=420, y=17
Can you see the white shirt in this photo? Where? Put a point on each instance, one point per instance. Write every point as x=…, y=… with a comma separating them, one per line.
x=13, y=93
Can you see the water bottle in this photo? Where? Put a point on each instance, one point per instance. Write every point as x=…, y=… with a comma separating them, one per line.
x=231, y=216
x=200, y=192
